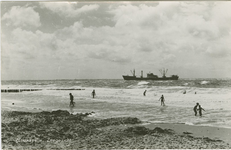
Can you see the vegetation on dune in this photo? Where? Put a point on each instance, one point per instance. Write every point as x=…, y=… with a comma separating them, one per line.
x=61, y=130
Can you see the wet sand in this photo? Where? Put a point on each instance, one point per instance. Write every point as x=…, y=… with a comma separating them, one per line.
x=215, y=133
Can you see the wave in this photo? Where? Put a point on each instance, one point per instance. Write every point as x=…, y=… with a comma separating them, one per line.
x=119, y=83
x=189, y=123
x=143, y=83
x=204, y=82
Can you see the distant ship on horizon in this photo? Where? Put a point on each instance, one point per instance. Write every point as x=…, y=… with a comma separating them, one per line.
x=151, y=76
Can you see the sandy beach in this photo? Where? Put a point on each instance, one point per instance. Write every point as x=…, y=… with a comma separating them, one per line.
x=116, y=118
x=62, y=130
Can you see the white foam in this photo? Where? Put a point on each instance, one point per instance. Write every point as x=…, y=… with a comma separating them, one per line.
x=204, y=82
x=142, y=83
x=215, y=101
x=189, y=123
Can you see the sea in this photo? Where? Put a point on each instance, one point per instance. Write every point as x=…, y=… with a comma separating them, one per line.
x=120, y=98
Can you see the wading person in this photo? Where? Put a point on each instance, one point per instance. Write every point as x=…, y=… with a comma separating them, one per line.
x=162, y=100
x=145, y=93
x=200, y=110
x=93, y=94
x=195, y=108
x=71, y=100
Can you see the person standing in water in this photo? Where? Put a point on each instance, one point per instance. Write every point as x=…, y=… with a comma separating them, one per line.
x=200, y=110
x=93, y=94
x=195, y=108
x=71, y=100
x=145, y=93
x=162, y=100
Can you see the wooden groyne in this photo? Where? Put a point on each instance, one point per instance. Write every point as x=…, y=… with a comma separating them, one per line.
x=66, y=89
x=28, y=90
x=18, y=90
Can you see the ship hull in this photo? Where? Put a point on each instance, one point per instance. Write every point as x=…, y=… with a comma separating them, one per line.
x=140, y=78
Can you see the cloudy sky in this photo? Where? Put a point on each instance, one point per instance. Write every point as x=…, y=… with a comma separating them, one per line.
x=104, y=40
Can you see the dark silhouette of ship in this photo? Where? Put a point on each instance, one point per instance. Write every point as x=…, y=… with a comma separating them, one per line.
x=151, y=76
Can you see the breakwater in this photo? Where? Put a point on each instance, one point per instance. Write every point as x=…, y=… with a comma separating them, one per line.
x=27, y=90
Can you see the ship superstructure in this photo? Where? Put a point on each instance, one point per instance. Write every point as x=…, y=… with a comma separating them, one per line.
x=151, y=76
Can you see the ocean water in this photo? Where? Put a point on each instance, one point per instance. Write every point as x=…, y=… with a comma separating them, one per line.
x=119, y=98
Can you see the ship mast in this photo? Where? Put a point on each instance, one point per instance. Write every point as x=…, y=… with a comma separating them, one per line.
x=163, y=72
x=133, y=72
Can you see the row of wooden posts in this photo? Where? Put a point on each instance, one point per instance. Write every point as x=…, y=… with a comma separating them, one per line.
x=21, y=90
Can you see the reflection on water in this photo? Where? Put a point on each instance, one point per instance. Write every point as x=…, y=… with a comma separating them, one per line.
x=162, y=109
x=71, y=109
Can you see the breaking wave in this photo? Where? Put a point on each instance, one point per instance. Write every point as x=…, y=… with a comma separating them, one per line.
x=204, y=82
x=142, y=83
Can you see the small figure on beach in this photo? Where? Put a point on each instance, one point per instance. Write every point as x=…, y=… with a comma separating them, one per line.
x=162, y=100
x=200, y=110
x=71, y=100
x=93, y=94
x=145, y=93
x=184, y=92
x=195, y=108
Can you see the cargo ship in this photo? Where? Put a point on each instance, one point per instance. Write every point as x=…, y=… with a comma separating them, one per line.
x=151, y=76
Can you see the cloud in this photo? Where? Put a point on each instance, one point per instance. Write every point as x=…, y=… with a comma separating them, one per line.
x=22, y=17
x=172, y=31
x=191, y=35
x=219, y=49
x=143, y=15
x=108, y=53
x=68, y=9
x=27, y=45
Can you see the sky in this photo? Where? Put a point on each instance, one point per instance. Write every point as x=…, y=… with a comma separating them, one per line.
x=105, y=40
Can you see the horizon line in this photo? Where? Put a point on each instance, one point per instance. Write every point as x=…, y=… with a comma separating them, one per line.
x=101, y=79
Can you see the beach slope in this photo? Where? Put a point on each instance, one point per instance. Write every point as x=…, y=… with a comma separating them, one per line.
x=62, y=130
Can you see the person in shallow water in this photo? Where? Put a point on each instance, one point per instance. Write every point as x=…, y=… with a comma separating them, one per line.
x=145, y=93
x=93, y=94
x=195, y=108
x=71, y=100
x=200, y=110
x=162, y=100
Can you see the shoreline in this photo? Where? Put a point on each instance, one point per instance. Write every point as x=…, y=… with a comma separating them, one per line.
x=80, y=131
x=215, y=133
